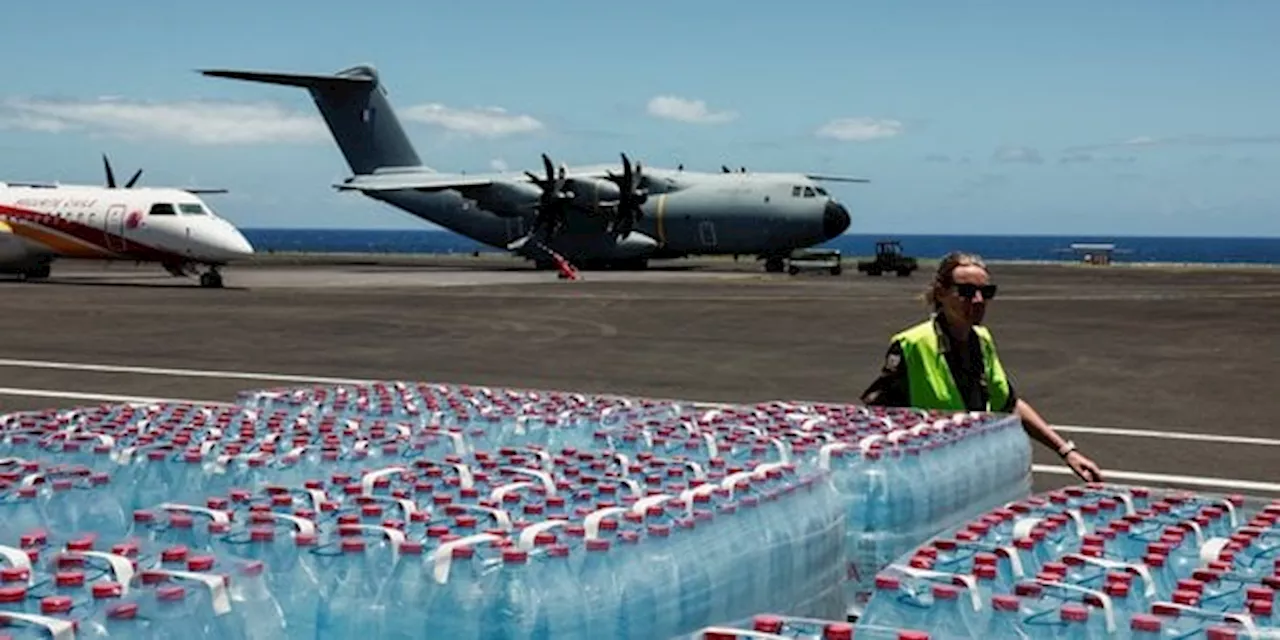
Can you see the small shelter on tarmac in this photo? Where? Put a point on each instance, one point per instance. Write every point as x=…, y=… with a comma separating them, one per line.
x=1099, y=253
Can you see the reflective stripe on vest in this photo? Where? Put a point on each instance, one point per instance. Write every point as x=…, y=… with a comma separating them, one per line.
x=931, y=384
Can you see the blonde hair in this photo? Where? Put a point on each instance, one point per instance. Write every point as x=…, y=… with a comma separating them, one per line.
x=942, y=278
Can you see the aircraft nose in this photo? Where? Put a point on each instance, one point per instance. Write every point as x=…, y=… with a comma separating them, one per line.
x=234, y=244
x=835, y=219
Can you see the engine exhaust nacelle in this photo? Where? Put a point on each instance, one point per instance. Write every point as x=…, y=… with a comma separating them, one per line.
x=592, y=192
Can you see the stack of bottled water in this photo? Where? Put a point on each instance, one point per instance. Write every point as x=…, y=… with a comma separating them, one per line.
x=1094, y=561
x=901, y=475
x=411, y=509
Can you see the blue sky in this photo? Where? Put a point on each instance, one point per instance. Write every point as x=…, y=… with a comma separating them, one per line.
x=1088, y=117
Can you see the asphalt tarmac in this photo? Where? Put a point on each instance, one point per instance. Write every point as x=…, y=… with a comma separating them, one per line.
x=1161, y=374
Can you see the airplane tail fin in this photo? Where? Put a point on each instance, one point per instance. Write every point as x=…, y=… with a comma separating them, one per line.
x=355, y=108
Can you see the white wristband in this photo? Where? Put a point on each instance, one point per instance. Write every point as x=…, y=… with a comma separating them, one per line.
x=1066, y=448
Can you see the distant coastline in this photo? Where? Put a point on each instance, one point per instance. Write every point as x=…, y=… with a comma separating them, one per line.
x=1030, y=249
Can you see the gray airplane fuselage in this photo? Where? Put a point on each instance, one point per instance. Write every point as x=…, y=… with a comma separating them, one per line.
x=695, y=214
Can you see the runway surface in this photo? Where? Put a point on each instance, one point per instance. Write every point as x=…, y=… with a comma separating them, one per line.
x=1162, y=375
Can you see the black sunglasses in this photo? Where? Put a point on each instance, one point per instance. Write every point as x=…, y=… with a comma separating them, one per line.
x=967, y=291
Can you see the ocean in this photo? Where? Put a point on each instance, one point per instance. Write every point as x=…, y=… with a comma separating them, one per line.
x=993, y=247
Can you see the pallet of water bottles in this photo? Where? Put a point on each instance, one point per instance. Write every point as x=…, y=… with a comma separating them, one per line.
x=428, y=510
x=1094, y=560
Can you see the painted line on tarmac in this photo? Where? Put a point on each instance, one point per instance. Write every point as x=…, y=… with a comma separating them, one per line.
x=289, y=377
x=1196, y=481
x=164, y=371
x=99, y=397
x=1168, y=435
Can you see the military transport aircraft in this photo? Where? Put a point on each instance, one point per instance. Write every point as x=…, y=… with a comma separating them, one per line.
x=41, y=222
x=603, y=215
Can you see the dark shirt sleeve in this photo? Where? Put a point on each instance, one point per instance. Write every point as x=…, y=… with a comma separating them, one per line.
x=1013, y=397
x=891, y=388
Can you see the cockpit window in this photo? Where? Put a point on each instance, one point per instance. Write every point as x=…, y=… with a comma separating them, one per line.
x=162, y=209
x=808, y=192
x=820, y=190
x=795, y=192
x=191, y=209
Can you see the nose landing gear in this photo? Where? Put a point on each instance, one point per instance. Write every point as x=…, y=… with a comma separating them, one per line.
x=211, y=279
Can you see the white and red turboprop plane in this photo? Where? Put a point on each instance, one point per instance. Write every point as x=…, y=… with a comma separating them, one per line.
x=41, y=222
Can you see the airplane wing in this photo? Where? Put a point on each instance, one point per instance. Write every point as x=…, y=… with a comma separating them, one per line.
x=823, y=177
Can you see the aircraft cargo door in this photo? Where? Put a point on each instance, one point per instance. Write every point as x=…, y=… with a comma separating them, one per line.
x=113, y=227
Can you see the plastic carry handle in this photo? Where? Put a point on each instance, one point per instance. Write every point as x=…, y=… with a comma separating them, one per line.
x=1149, y=584
x=529, y=535
x=813, y=423
x=57, y=628
x=784, y=449
x=970, y=583
x=713, y=448
x=216, y=584
x=636, y=489
x=698, y=472
x=121, y=567
x=19, y=559
x=465, y=479
x=442, y=557
x=370, y=479
x=688, y=494
x=499, y=492
x=643, y=504
x=734, y=632
x=395, y=536
x=1211, y=548
x=1108, y=608
x=305, y=526
x=318, y=497
x=591, y=524
x=501, y=517
x=545, y=477
x=824, y=454
x=1024, y=526
x=214, y=514
x=548, y=464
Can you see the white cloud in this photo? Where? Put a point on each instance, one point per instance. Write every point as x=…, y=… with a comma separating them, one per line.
x=194, y=122
x=1025, y=155
x=227, y=123
x=488, y=122
x=686, y=110
x=860, y=129
x=498, y=164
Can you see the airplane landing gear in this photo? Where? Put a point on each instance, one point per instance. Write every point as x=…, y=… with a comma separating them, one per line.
x=773, y=264
x=211, y=279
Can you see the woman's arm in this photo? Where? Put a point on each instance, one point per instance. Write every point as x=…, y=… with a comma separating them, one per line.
x=1040, y=431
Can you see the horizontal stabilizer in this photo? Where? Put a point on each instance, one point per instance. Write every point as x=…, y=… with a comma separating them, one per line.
x=421, y=181
x=205, y=191
x=823, y=177
x=356, y=76
x=35, y=185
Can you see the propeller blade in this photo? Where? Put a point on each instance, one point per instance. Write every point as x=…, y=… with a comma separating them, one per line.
x=111, y=176
x=134, y=180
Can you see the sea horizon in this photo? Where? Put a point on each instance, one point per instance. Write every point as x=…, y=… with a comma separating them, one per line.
x=1017, y=247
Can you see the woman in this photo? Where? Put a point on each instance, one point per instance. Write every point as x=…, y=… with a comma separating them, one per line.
x=949, y=362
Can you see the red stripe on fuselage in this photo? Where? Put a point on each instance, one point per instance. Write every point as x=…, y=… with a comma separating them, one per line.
x=98, y=237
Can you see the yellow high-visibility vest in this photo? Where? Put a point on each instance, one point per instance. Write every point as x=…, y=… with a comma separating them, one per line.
x=931, y=384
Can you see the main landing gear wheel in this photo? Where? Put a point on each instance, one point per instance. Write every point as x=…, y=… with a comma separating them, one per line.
x=35, y=273
x=211, y=279
x=773, y=264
